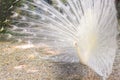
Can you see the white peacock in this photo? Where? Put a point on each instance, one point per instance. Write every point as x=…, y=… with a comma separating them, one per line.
x=82, y=30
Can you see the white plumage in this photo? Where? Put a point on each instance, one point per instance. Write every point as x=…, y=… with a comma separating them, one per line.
x=82, y=30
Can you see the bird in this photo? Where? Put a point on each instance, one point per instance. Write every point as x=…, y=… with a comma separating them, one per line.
x=82, y=31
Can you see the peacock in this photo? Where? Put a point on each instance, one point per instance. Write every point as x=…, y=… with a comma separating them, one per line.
x=79, y=30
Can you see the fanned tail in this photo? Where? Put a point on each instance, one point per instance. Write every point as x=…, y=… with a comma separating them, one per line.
x=90, y=26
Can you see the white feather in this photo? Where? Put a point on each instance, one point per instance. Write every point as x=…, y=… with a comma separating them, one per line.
x=84, y=28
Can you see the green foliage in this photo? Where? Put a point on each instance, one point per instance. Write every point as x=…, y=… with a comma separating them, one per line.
x=64, y=1
x=6, y=8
